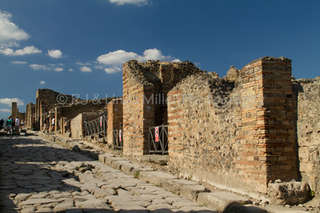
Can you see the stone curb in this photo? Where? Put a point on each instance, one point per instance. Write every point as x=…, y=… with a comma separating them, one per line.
x=191, y=190
x=188, y=189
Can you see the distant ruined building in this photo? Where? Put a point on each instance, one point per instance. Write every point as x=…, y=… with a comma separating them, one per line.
x=240, y=132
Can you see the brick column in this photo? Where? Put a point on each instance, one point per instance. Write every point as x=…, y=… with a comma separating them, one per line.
x=138, y=114
x=268, y=123
x=114, y=109
x=175, y=113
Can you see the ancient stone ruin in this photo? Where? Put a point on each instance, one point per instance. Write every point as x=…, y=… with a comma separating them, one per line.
x=243, y=132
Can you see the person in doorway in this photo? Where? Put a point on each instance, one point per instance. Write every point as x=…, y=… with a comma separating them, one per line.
x=17, y=122
x=53, y=123
x=9, y=125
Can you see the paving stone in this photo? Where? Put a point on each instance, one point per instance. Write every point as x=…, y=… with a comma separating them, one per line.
x=219, y=199
x=21, y=197
x=30, y=209
x=156, y=177
x=65, y=205
x=93, y=203
x=38, y=201
x=44, y=210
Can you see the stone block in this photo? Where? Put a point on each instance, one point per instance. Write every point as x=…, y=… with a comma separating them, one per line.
x=292, y=193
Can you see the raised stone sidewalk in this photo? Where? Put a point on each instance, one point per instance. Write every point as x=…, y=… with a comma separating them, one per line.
x=191, y=190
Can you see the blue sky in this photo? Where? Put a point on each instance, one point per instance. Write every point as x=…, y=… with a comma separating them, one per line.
x=78, y=46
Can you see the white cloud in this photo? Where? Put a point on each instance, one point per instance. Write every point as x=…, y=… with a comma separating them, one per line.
x=5, y=110
x=154, y=54
x=70, y=70
x=176, y=60
x=19, y=62
x=113, y=60
x=42, y=82
x=58, y=69
x=25, y=51
x=9, y=31
x=85, y=69
x=112, y=70
x=83, y=64
x=117, y=57
x=38, y=67
x=55, y=53
x=135, y=2
x=8, y=101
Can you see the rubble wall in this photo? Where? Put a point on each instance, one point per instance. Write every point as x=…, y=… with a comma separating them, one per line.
x=236, y=134
x=308, y=130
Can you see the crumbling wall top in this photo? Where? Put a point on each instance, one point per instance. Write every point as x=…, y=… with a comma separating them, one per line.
x=271, y=59
x=152, y=73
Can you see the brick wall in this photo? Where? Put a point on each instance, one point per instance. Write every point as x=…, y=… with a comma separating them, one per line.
x=308, y=130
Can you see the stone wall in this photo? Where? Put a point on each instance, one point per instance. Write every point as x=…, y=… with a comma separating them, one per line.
x=204, y=123
x=308, y=130
x=237, y=134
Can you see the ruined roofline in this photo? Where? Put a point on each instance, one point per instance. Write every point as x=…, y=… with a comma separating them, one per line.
x=307, y=80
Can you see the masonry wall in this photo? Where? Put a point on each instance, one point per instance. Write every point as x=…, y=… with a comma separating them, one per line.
x=46, y=100
x=239, y=134
x=204, y=122
x=308, y=130
x=115, y=121
x=145, y=88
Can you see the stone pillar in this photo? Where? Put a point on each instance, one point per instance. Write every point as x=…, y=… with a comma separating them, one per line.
x=57, y=116
x=14, y=110
x=268, y=144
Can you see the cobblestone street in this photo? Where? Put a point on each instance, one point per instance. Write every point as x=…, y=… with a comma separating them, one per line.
x=39, y=176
